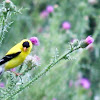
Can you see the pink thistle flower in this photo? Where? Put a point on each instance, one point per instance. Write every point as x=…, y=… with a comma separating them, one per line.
x=49, y=9
x=13, y=69
x=72, y=40
x=44, y=14
x=35, y=41
x=66, y=25
x=89, y=40
x=7, y=1
x=92, y=1
x=70, y=83
x=2, y=85
x=54, y=99
x=34, y=59
x=85, y=83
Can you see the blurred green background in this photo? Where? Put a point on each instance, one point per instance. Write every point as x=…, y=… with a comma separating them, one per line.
x=62, y=81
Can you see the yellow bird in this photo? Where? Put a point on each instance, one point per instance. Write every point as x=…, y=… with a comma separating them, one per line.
x=16, y=55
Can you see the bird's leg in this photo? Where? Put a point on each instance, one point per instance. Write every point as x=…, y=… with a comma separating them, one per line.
x=17, y=74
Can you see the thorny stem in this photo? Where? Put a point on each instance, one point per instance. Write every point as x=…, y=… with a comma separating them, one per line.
x=41, y=73
x=2, y=32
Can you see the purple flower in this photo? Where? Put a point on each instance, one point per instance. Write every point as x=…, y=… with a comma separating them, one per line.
x=70, y=83
x=54, y=99
x=85, y=83
x=35, y=41
x=44, y=14
x=2, y=85
x=34, y=59
x=13, y=69
x=92, y=1
x=7, y=1
x=89, y=40
x=66, y=25
x=49, y=9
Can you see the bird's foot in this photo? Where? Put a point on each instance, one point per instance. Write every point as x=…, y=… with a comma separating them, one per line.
x=17, y=74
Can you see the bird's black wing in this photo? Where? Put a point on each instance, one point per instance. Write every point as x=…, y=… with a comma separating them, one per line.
x=9, y=57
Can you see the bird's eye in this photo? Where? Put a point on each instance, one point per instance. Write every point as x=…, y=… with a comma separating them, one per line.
x=26, y=44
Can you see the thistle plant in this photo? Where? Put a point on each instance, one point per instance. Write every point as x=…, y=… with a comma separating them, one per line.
x=12, y=89
x=11, y=86
x=6, y=11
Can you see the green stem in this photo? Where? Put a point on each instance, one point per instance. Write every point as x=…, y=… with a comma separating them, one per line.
x=41, y=73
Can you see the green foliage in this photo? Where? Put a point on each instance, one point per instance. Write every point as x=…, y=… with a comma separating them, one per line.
x=24, y=21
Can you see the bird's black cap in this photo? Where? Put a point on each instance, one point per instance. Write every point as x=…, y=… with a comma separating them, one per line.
x=26, y=44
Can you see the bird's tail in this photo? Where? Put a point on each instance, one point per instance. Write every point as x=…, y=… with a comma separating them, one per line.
x=1, y=70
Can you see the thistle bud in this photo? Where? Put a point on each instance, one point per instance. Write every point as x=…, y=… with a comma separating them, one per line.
x=82, y=6
x=75, y=42
x=83, y=44
x=89, y=40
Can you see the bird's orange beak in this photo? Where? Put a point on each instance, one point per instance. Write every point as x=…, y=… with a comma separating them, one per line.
x=25, y=49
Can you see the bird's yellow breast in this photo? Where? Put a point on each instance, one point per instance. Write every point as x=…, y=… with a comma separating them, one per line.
x=16, y=61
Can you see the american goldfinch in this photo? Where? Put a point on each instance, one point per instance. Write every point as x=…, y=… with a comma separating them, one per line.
x=16, y=55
